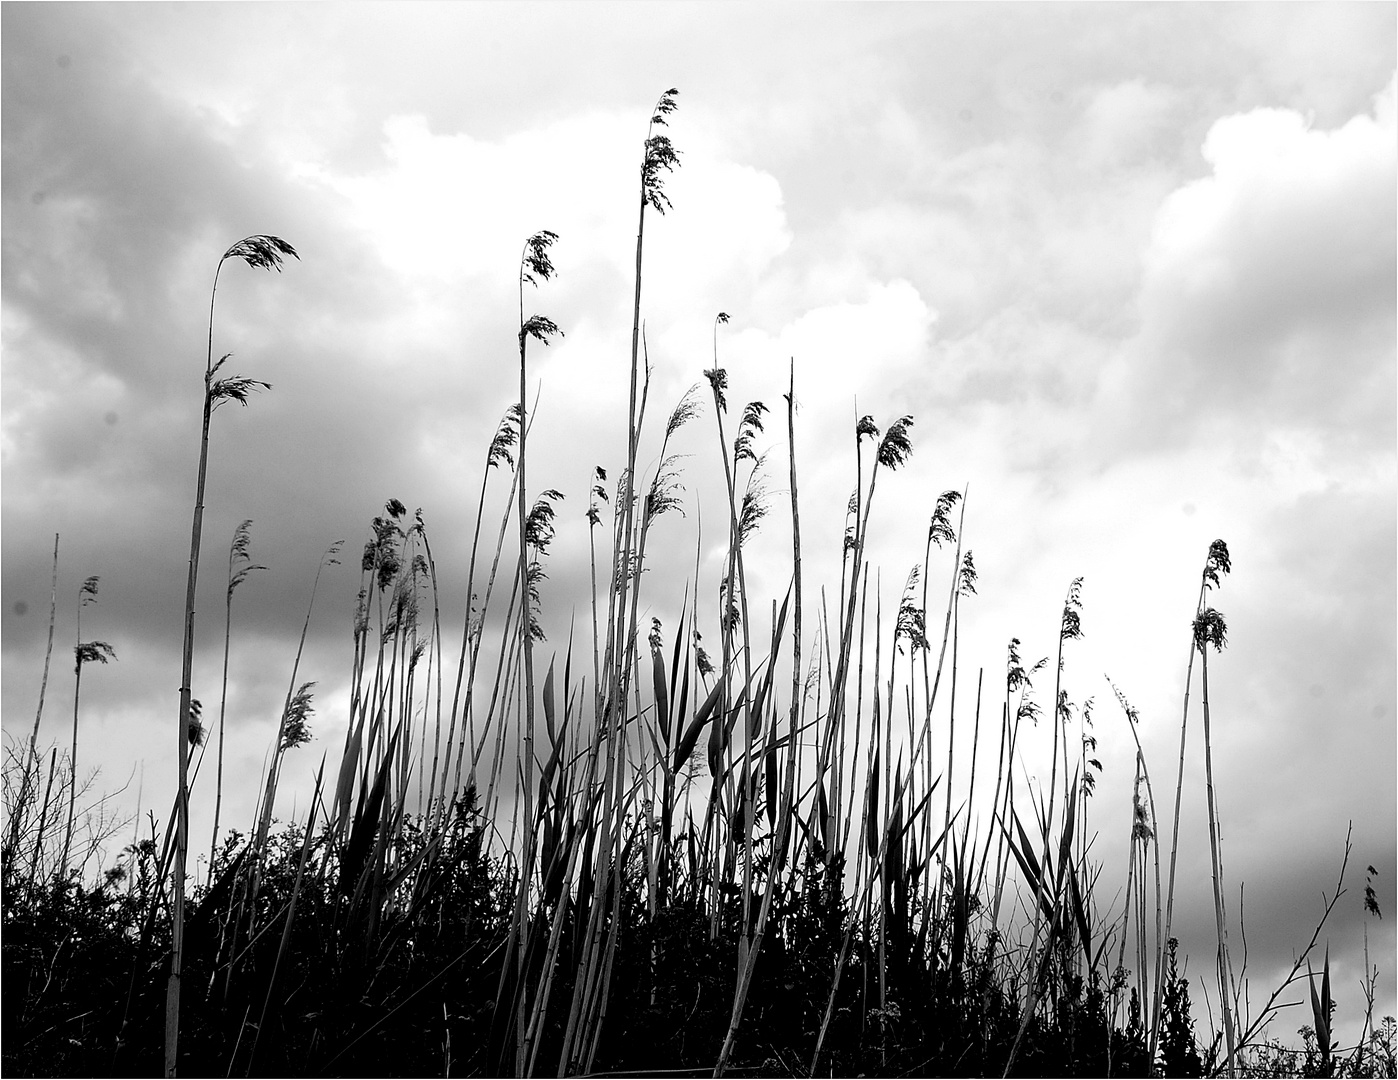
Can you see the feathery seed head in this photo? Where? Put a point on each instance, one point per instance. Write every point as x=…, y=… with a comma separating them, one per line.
x=539, y=327
x=660, y=156
x=240, y=556
x=261, y=252
x=381, y=552
x=296, y=729
x=1210, y=629
x=535, y=577
x=663, y=495
x=506, y=435
x=242, y=542
x=967, y=585
x=1371, y=898
x=754, y=508
x=1072, y=622
x=718, y=382
x=1217, y=563
x=896, y=447
x=665, y=106
x=599, y=494
x=748, y=428
x=701, y=658
x=912, y=620
x=89, y=651
x=536, y=263
x=940, y=530
x=1131, y=713
x=1016, y=675
x=538, y=527
x=730, y=615
x=684, y=412
x=234, y=388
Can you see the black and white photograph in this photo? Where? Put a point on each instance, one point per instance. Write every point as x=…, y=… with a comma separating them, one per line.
x=699, y=539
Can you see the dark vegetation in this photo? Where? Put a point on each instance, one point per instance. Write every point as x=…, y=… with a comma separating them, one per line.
x=644, y=857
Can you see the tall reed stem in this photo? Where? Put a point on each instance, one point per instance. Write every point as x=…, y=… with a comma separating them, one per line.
x=265, y=252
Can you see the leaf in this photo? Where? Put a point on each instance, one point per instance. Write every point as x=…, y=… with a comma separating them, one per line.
x=1029, y=864
x=691, y=735
x=770, y=763
x=675, y=676
x=549, y=708
x=662, y=696
x=1080, y=914
x=348, y=765
x=366, y=823
x=872, y=811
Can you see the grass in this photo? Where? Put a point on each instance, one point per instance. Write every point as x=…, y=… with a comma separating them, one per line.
x=651, y=860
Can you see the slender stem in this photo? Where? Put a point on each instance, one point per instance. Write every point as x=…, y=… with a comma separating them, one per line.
x=1224, y=981
x=72, y=759
x=172, y=997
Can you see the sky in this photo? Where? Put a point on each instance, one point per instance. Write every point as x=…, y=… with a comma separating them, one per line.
x=1130, y=267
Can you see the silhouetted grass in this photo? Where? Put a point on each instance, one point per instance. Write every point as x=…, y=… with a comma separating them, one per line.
x=661, y=861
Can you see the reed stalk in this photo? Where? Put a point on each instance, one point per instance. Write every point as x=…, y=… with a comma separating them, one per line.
x=259, y=252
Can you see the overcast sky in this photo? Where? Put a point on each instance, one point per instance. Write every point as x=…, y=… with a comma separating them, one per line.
x=1130, y=267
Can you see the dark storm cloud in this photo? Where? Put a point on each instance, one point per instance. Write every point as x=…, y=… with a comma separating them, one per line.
x=104, y=278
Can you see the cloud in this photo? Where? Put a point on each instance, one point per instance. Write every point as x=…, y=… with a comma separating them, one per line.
x=1001, y=223
x=1269, y=283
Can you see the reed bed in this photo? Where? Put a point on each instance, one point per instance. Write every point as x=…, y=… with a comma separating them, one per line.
x=727, y=845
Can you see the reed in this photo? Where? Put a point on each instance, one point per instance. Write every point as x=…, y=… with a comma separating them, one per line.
x=648, y=859
x=259, y=252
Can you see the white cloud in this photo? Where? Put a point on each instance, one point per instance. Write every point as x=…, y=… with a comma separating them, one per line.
x=1129, y=123
x=1292, y=225
x=1268, y=287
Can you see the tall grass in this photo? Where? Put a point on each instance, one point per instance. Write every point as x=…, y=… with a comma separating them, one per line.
x=258, y=252
x=755, y=861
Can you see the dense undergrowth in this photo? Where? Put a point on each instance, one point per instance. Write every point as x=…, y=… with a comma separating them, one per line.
x=84, y=971
x=646, y=858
